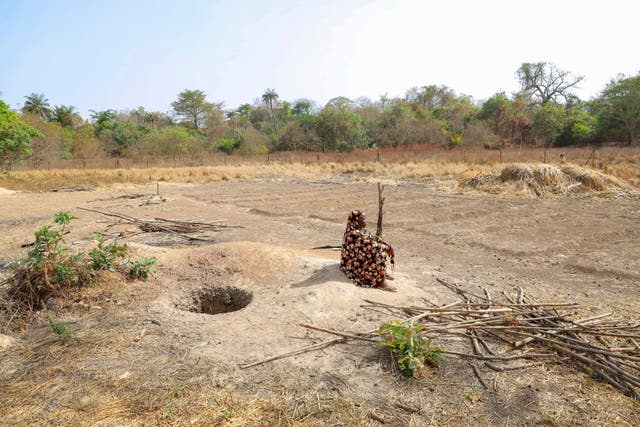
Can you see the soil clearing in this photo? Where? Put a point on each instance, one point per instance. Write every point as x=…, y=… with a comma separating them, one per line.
x=149, y=352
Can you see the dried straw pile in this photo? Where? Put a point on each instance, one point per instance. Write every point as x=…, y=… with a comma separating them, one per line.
x=545, y=180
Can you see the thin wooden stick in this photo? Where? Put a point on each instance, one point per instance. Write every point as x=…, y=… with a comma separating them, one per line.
x=498, y=358
x=476, y=371
x=340, y=334
x=316, y=346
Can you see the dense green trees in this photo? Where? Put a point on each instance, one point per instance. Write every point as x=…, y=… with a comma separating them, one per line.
x=15, y=137
x=618, y=108
x=544, y=112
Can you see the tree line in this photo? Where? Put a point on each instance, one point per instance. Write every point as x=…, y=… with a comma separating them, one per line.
x=544, y=112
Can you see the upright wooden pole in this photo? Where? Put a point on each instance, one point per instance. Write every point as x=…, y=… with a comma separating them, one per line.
x=380, y=206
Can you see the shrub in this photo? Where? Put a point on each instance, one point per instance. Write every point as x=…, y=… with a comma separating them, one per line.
x=229, y=145
x=47, y=267
x=413, y=352
x=104, y=257
x=141, y=269
x=60, y=328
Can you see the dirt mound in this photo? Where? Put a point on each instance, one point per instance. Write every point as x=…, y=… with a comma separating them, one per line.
x=541, y=180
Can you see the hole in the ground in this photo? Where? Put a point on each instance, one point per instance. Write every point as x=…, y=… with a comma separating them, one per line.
x=220, y=299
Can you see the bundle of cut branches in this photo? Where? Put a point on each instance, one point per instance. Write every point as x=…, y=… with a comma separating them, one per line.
x=180, y=228
x=518, y=327
x=515, y=327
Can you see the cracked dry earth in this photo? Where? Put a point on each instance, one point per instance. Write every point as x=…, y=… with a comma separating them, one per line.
x=584, y=250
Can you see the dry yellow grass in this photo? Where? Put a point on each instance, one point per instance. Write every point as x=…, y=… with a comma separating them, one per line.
x=410, y=163
x=44, y=180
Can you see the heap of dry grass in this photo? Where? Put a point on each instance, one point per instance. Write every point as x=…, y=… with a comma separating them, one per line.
x=541, y=180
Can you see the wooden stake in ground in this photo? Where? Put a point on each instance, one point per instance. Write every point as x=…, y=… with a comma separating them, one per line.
x=380, y=207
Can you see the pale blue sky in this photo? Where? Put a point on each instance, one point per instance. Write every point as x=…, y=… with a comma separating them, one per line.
x=123, y=54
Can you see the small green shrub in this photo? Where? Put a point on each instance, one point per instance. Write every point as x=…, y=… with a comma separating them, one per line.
x=413, y=352
x=141, y=269
x=229, y=145
x=104, y=257
x=60, y=328
x=47, y=267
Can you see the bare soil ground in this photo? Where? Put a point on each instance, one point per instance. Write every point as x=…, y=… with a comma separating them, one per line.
x=146, y=355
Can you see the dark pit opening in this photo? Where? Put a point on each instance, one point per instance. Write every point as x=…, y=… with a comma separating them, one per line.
x=222, y=299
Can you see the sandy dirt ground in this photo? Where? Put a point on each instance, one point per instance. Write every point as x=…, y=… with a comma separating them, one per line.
x=151, y=333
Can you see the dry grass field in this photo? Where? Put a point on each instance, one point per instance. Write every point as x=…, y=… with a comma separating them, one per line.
x=147, y=354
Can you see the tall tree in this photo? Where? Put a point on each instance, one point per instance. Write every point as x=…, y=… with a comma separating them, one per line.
x=38, y=105
x=340, y=102
x=548, y=121
x=619, y=106
x=193, y=107
x=15, y=137
x=270, y=97
x=496, y=111
x=302, y=107
x=543, y=82
x=64, y=114
x=102, y=120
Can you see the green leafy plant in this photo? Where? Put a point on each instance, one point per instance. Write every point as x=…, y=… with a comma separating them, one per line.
x=47, y=267
x=141, y=269
x=104, y=257
x=60, y=328
x=413, y=352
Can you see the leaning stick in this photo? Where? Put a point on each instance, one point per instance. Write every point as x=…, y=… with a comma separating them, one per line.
x=380, y=206
x=327, y=247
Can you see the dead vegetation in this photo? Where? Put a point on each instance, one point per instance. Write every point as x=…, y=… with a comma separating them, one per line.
x=545, y=180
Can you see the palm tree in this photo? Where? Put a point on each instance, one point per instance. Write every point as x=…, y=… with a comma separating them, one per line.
x=38, y=105
x=64, y=115
x=269, y=97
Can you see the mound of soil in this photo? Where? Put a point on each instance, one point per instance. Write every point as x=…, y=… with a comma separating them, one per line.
x=540, y=180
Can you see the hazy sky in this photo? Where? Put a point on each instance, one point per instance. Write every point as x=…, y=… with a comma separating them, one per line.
x=124, y=54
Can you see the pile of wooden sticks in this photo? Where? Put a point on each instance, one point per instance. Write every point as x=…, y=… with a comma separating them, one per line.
x=182, y=228
x=513, y=327
x=517, y=327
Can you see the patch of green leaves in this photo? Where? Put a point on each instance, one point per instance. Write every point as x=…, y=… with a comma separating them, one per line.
x=413, y=352
x=141, y=269
x=104, y=256
x=60, y=328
